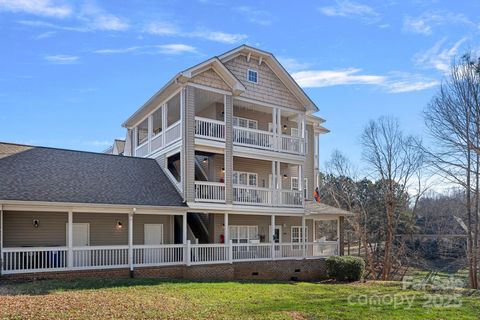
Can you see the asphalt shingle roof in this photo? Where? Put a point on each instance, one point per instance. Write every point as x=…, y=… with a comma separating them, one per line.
x=47, y=174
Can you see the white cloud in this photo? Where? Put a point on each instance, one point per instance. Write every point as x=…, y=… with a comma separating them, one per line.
x=424, y=23
x=166, y=29
x=393, y=82
x=49, y=8
x=345, y=8
x=438, y=57
x=161, y=29
x=44, y=24
x=45, y=35
x=62, y=59
x=256, y=16
x=97, y=19
x=176, y=48
x=217, y=36
x=172, y=48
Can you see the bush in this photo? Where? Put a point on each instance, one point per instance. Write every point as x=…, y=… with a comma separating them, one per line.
x=345, y=268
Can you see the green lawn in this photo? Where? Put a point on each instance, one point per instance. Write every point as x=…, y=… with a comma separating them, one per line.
x=141, y=298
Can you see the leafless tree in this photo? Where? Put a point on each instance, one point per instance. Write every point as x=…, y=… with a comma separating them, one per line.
x=453, y=120
x=392, y=158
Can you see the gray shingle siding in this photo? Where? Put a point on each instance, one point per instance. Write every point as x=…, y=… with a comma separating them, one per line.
x=57, y=175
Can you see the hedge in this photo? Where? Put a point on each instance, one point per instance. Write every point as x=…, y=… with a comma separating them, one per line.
x=345, y=268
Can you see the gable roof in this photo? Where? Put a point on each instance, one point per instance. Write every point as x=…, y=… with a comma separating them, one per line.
x=276, y=67
x=29, y=173
x=217, y=63
x=313, y=208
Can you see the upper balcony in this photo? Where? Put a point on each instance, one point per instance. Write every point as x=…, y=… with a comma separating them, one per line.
x=254, y=126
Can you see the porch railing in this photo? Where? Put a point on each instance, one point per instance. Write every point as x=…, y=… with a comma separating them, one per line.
x=209, y=128
x=151, y=255
x=252, y=195
x=41, y=259
x=253, y=138
x=206, y=191
x=21, y=260
x=291, y=144
x=291, y=198
x=208, y=254
x=173, y=133
x=100, y=257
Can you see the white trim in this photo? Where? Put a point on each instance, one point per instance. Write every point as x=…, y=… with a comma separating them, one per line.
x=14, y=205
x=207, y=88
x=249, y=236
x=301, y=236
x=248, y=75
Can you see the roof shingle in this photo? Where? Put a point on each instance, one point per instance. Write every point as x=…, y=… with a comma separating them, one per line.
x=56, y=175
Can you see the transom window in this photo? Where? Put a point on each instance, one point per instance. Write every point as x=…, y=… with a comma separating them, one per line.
x=245, y=178
x=243, y=234
x=252, y=76
x=245, y=123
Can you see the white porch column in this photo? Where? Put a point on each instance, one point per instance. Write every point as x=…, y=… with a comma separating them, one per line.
x=304, y=237
x=300, y=182
x=130, y=240
x=226, y=233
x=184, y=228
x=150, y=132
x=1, y=239
x=274, y=128
x=272, y=234
x=70, y=240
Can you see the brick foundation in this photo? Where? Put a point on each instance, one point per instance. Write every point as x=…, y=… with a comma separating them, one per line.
x=302, y=270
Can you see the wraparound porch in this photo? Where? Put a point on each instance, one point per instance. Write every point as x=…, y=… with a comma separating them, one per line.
x=41, y=242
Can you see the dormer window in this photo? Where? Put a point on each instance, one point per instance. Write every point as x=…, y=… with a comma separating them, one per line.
x=252, y=76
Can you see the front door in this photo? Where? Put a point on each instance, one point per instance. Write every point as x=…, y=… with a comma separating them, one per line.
x=80, y=238
x=153, y=236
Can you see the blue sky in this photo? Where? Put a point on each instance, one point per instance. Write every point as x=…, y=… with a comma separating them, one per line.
x=72, y=71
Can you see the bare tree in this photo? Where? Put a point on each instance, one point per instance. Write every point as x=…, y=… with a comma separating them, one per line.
x=392, y=158
x=453, y=120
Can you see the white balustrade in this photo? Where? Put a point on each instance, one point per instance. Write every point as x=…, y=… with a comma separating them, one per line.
x=252, y=195
x=25, y=260
x=206, y=191
x=291, y=198
x=209, y=253
x=209, y=128
x=291, y=144
x=251, y=251
x=173, y=133
x=157, y=142
x=142, y=150
x=253, y=138
x=100, y=257
x=157, y=255
x=37, y=259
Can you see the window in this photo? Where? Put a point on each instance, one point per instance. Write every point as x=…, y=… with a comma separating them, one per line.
x=245, y=178
x=294, y=183
x=243, y=234
x=142, y=132
x=297, y=235
x=245, y=123
x=252, y=76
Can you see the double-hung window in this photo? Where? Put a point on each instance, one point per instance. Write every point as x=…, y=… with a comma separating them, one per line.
x=252, y=76
x=245, y=178
x=297, y=235
x=245, y=123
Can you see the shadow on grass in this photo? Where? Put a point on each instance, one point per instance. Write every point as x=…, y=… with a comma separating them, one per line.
x=43, y=287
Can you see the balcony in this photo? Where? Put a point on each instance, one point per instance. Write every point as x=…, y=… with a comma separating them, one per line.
x=252, y=138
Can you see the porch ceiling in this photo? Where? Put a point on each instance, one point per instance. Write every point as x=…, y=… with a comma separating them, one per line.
x=314, y=209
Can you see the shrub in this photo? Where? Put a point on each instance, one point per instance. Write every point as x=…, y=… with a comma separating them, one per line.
x=345, y=268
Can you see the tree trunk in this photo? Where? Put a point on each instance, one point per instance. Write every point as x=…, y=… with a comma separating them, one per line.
x=387, y=260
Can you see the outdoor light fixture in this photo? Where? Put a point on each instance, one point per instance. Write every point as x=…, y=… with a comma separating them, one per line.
x=119, y=225
x=36, y=223
x=205, y=160
x=284, y=127
x=223, y=169
x=285, y=176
